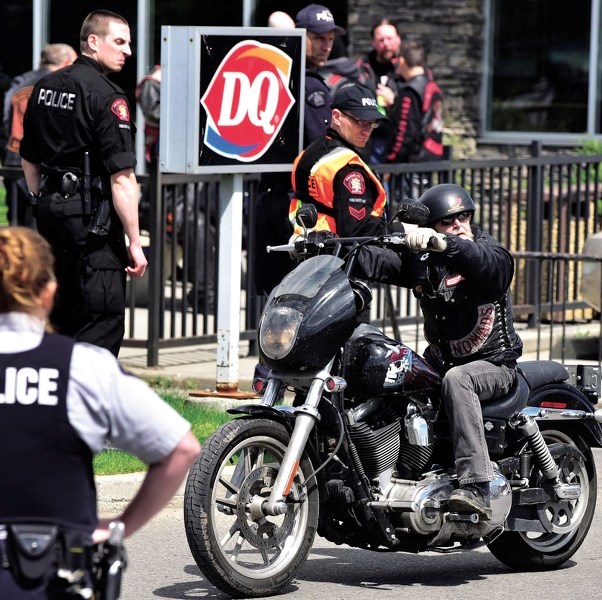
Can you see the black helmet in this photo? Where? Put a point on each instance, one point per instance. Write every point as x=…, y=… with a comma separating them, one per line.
x=446, y=199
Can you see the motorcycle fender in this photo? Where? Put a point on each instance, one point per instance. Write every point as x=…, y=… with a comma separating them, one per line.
x=279, y=413
x=567, y=396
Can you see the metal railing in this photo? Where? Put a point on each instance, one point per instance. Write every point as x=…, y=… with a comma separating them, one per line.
x=541, y=207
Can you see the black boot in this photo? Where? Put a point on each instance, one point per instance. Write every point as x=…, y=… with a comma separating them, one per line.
x=471, y=498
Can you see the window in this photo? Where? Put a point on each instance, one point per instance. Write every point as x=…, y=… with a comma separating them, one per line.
x=540, y=64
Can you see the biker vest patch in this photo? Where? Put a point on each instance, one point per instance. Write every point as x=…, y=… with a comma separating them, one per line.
x=480, y=333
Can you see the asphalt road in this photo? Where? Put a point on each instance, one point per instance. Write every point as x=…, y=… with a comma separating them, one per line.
x=161, y=566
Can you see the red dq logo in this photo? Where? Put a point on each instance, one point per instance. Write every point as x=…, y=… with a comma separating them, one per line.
x=247, y=101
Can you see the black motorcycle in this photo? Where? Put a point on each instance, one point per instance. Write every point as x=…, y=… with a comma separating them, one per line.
x=364, y=455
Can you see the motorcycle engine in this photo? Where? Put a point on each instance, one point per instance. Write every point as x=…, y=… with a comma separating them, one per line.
x=421, y=507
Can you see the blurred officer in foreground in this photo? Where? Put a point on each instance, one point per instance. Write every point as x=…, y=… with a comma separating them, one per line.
x=78, y=158
x=59, y=402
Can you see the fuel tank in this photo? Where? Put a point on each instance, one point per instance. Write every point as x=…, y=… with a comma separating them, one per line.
x=378, y=365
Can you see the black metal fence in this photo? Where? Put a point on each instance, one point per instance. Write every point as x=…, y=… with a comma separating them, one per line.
x=542, y=207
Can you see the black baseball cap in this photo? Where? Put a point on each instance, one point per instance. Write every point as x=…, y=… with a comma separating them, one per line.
x=358, y=100
x=317, y=19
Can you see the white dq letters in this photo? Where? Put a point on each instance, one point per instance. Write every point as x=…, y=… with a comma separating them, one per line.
x=248, y=99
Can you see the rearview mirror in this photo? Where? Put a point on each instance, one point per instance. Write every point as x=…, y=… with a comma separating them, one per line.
x=307, y=216
x=412, y=211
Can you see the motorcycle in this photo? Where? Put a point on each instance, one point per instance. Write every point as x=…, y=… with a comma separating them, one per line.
x=363, y=456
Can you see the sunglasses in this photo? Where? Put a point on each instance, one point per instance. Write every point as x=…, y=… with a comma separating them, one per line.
x=360, y=122
x=462, y=217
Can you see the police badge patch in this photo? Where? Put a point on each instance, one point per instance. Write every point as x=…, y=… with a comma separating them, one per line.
x=355, y=183
x=316, y=99
x=120, y=108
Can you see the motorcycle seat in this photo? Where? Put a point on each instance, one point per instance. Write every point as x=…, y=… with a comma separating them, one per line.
x=540, y=372
x=509, y=404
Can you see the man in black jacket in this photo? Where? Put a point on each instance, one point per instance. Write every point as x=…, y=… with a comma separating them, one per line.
x=461, y=277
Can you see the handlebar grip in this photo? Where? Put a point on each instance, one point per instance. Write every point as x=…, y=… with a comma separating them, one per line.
x=280, y=248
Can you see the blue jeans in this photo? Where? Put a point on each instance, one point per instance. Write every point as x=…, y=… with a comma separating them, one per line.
x=463, y=390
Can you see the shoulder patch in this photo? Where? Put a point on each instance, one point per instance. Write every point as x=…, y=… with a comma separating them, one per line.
x=316, y=99
x=120, y=108
x=355, y=182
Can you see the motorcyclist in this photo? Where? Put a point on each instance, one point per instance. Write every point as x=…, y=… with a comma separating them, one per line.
x=461, y=276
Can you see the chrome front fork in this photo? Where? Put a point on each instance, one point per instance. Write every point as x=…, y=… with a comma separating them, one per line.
x=307, y=416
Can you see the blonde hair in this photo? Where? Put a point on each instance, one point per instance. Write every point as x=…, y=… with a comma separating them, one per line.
x=26, y=266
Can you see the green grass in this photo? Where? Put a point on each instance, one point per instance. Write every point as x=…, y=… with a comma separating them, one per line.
x=204, y=419
x=3, y=207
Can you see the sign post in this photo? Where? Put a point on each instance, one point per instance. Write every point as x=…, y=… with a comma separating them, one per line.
x=231, y=103
x=228, y=310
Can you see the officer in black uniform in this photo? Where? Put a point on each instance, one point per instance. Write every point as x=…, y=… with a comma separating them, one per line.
x=78, y=158
x=272, y=226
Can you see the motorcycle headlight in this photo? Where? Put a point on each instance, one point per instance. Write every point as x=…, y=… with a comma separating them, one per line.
x=278, y=331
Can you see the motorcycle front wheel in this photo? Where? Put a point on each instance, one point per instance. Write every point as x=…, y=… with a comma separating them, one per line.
x=569, y=520
x=239, y=549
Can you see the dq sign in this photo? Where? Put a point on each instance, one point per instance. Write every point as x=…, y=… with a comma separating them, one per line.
x=247, y=101
x=231, y=99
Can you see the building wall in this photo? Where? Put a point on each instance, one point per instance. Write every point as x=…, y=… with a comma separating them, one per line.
x=455, y=31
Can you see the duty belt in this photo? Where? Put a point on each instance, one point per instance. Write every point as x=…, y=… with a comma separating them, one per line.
x=65, y=183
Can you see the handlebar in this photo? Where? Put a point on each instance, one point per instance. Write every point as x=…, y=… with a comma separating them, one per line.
x=306, y=246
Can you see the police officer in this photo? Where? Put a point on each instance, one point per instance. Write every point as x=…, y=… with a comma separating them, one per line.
x=272, y=226
x=461, y=277
x=78, y=159
x=331, y=174
x=59, y=401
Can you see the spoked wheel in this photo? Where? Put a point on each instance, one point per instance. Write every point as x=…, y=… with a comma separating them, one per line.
x=567, y=521
x=239, y=549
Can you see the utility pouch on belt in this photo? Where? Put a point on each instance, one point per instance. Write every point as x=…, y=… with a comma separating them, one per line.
x=31, y=551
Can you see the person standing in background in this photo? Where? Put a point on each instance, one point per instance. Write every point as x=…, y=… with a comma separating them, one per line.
x=52, y=58
x=78, y=157
x=272, y=226
x=148, y=96
x=379, y=74
x=416, y=131
x=331, y=174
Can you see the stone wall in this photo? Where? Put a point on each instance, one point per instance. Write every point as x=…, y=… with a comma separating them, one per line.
x=455, y=31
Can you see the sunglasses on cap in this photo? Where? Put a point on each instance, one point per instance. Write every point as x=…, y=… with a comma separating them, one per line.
x=462, y=217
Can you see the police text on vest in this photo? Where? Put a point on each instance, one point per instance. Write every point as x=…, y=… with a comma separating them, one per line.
x=28, y=386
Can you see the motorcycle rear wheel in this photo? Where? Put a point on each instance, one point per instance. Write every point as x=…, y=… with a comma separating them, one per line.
x=241, y=551
x=570, y=519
